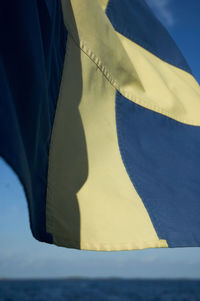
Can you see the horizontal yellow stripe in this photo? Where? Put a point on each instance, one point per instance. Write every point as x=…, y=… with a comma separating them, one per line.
x=135, y=72
x=91, y=202
x=167, y=89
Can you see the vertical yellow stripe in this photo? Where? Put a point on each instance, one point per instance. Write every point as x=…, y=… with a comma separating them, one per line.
x=91, y=202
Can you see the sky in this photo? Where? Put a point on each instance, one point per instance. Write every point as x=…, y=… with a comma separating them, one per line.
x=21, y=256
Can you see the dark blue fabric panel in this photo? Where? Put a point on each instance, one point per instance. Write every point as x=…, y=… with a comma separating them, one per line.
x=32, y=49
x=162, y=158
x=135, y=20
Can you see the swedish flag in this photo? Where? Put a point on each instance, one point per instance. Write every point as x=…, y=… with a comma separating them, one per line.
x=100, y=120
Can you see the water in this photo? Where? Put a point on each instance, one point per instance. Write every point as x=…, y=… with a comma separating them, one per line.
x=99, y=290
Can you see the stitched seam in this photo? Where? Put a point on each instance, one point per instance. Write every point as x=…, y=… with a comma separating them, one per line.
x=109, y=244
x=124, y=31
x=144, y=103
x=128, y=95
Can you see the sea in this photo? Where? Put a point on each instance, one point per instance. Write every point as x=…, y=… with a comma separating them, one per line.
x=100, y=290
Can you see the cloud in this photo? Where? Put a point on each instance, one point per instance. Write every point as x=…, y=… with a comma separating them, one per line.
x=163, y=11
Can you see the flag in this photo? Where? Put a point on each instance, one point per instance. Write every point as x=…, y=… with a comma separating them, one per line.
x=99, y=119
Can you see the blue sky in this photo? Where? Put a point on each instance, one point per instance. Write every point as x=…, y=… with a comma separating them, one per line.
x=22, y=256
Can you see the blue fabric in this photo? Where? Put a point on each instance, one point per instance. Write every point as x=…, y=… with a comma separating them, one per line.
x=32, y=48
x=135, y=20
x=162, y=158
